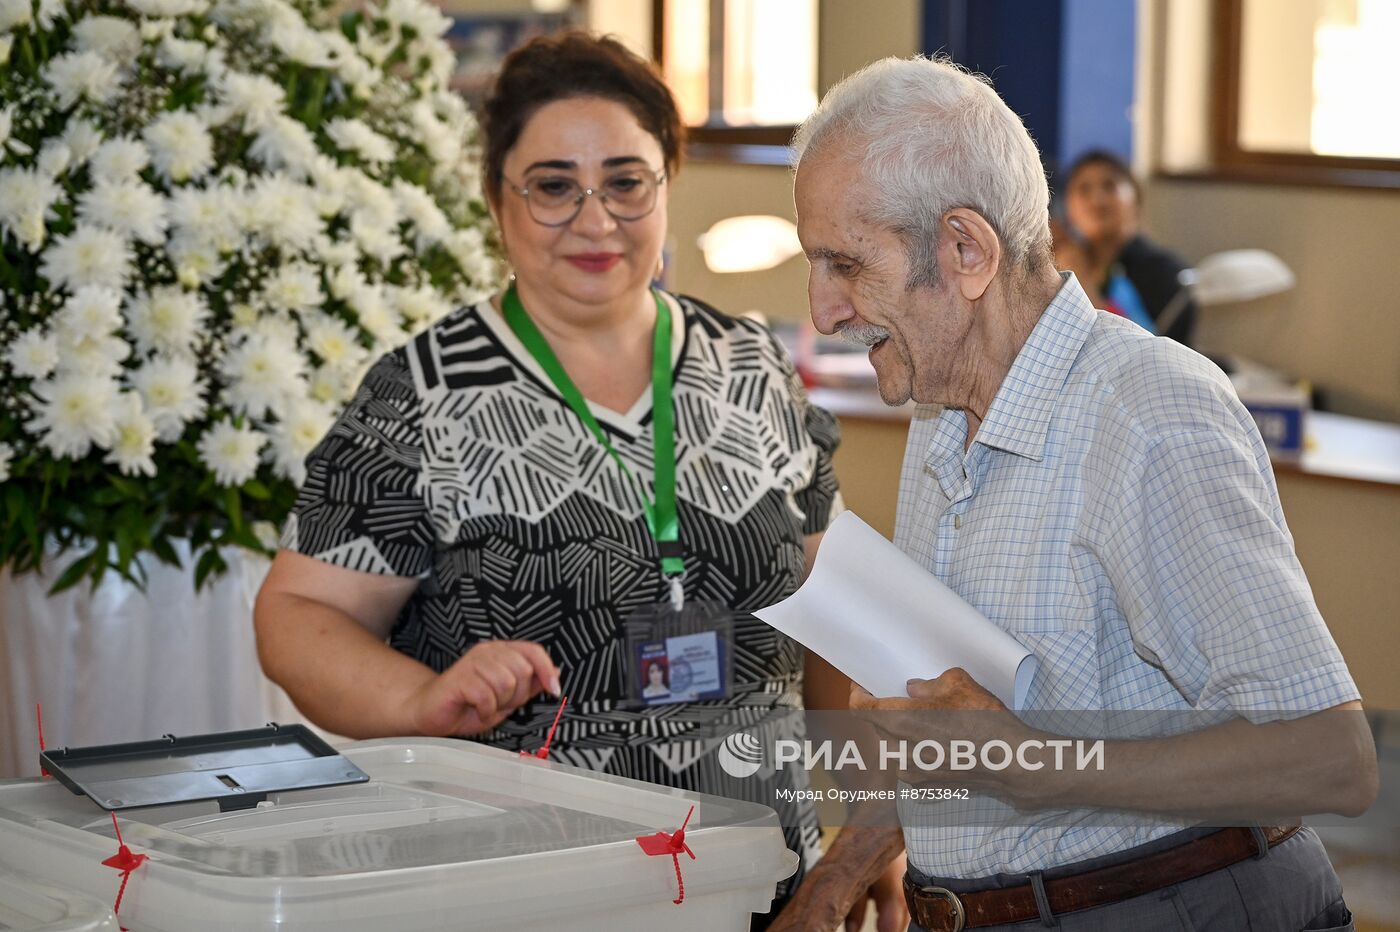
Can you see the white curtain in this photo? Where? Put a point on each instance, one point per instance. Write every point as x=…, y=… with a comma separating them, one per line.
x=119, y=664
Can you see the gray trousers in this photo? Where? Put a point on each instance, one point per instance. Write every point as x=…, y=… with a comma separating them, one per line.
x=1293, y=888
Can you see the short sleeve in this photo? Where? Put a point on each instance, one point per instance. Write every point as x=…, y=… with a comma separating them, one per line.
x=362, y=506
x=820, y=499
x=1204, y=570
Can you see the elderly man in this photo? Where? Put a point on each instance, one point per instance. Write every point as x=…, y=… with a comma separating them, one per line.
x=1101, y=495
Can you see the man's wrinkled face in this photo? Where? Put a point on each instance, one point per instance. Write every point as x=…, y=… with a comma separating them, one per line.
x=858, y=283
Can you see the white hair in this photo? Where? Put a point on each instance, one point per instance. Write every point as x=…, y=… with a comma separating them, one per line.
x=932, y=137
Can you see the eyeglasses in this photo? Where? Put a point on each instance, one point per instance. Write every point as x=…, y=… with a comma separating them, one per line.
x=555, y=200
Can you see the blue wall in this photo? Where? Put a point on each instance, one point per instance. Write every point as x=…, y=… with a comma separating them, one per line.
x=1066, y=66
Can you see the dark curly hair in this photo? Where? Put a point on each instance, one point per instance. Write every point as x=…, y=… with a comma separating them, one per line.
x=574, y=63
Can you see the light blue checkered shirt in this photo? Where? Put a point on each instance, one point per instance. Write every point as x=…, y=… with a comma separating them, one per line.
x=1117, y=514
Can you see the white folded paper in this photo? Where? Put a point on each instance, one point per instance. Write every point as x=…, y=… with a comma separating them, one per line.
x=881, y=619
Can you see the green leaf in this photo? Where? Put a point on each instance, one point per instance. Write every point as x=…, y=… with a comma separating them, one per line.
x=209, y=562
x=75, y=572
x=255, y=489
x=164, y=552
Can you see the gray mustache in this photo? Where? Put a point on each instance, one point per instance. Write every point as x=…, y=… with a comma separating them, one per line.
x=862, y=334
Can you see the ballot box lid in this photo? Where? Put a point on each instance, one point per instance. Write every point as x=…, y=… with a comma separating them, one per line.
x=440, y=825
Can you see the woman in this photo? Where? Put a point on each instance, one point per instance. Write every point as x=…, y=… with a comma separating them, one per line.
x=494, y=503
x=1120, y=268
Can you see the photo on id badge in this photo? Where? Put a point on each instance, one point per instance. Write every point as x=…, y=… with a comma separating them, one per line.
x=680, y=668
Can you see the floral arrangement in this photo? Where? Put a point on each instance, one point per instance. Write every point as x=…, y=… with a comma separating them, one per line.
x=214, y=214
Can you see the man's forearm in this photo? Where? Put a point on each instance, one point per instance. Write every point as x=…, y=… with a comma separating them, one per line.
x=1324, y=762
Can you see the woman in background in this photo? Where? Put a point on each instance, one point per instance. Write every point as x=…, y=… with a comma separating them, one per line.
x=518, y=501
x=1119, y=267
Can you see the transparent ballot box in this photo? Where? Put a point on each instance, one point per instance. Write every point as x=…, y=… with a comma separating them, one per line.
x=442, y=835
x=29, y=905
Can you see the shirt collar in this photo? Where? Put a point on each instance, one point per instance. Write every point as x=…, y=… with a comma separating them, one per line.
x=1019, y=417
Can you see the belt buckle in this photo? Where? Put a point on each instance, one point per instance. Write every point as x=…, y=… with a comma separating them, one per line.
x=959, y=913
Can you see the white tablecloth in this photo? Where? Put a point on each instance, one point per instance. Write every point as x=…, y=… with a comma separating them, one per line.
x=118, y=664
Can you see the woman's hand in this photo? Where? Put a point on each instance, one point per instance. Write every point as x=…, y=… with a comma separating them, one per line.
x=486, y=684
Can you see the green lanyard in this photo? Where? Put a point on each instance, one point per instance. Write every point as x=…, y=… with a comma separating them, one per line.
x=661, y=515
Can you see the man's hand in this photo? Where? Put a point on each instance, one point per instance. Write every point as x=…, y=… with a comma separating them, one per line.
x=844, y=876
x=485, y=685
x=891, y=912
x=955, y=690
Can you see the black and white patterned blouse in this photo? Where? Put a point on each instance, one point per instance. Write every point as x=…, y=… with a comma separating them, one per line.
x=458, y=463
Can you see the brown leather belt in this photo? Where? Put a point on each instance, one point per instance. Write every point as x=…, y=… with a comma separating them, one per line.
x=940, y=910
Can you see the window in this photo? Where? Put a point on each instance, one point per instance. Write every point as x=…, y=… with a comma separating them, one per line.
x=743, y=71
x=1306, y=90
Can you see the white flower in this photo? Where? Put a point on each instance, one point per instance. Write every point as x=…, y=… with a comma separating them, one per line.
x=443, y=144
x=181, y=147
x=54, y=158
x=356, y=137
x=298, y=430
x=336, y=252
x=153, y=30
x=168, y=7
x=329, y=385
x=26, y=196
x=196, y=261
x=207, y=215
x=371, y=306
x=119, y=159
x=82, y=137
x=294, y=287
x=284, y=144
x=14, y=13
x=87, y=256
x=7, y=454
x=282, y=211
x=263, y=372
x=181, y=55
x=377, y=241
x=6, y=43
x=130, y=208
x=255, y=97
x=422, y=19
x=74, y=411
x=421, y=305
x=231, y=452
x=170, y=388
x=372, y=200
x=303, y=46
x=49, y=12
x=422, y=211
x=468, y=247
x=91, y=311
x=76, y=76
x=167, y=318
x=109, y=36
x=345, y=281
x=334, y=342
x=33, y=354
x=134, y=442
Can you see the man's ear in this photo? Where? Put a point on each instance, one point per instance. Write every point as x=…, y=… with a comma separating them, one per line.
x=969, y=251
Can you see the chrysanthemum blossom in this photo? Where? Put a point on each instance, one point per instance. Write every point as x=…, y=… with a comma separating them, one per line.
x=172, y=393
x=262, y=373
x=167, y=318
x=76, y=76
x=130, y=208
x=33, y=354
x=72, y=413
x=87, y=256
x=231, y=452
x=134, y=438
x=180, y=144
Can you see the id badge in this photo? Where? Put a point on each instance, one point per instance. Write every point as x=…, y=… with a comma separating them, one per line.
x=683, y=656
